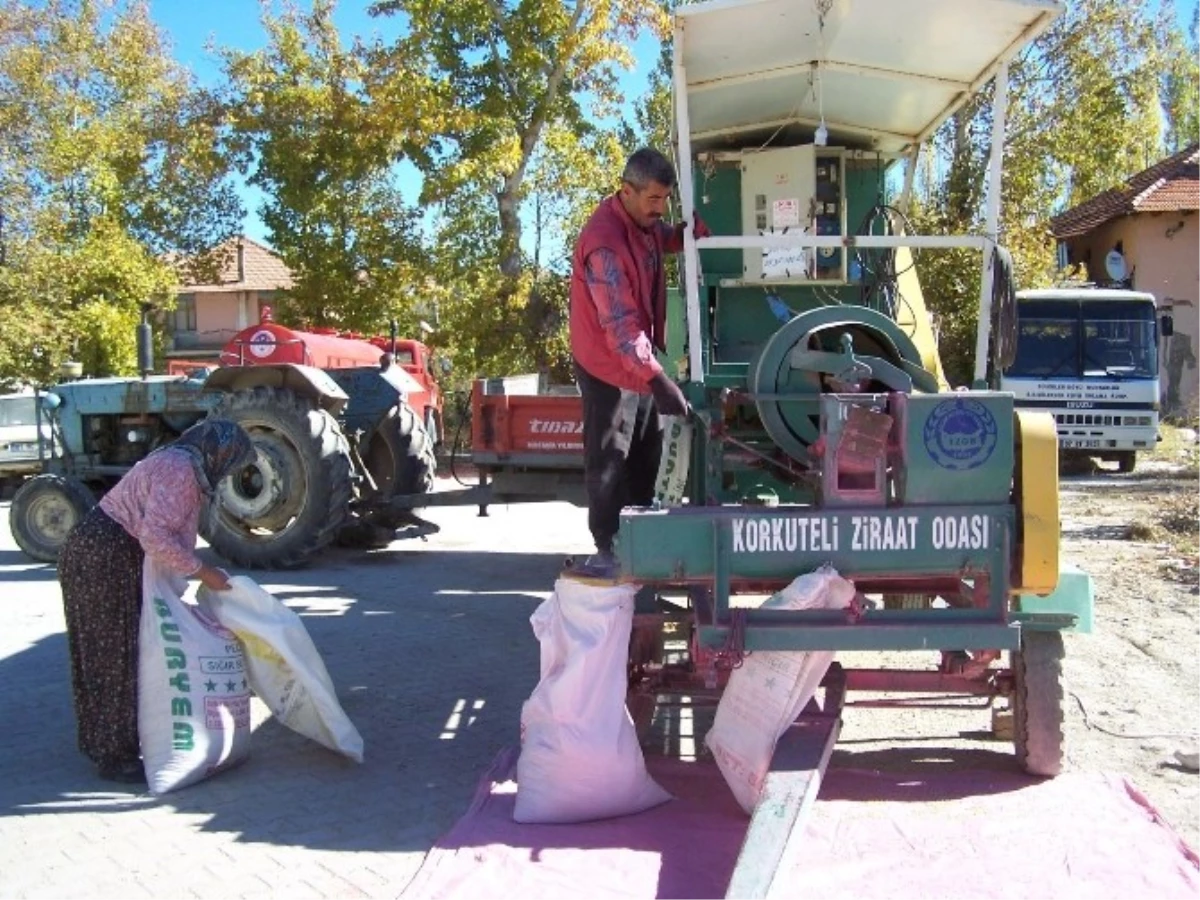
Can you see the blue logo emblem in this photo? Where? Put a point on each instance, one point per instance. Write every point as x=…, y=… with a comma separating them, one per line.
x=960, y=434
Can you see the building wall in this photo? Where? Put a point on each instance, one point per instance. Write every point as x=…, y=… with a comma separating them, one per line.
x=219, y=316
x=1161, y=251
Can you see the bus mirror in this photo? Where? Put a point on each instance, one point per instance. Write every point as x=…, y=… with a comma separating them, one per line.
x=1168, y=325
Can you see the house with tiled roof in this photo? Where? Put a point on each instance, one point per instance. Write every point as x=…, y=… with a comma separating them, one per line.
x=209, y=311
x=1152, y=220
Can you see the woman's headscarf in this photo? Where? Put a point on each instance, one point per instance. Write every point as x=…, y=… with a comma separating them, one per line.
x=217, y=447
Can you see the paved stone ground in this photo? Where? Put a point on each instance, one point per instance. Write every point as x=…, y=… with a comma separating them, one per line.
x=429, y=645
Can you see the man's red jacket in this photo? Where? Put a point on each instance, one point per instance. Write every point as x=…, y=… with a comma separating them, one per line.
x=619, y=296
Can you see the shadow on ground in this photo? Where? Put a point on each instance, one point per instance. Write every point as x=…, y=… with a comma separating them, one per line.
x=432, y=673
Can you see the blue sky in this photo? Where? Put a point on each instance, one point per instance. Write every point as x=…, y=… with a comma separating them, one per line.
x=191, y=26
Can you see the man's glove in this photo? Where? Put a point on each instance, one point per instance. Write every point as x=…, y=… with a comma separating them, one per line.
x=668, y=397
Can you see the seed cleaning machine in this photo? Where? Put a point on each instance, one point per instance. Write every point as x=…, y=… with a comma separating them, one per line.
x=825, y=430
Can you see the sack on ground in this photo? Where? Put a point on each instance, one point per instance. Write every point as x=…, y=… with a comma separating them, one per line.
x=283, y=665
x=580, y=757
x=770, y=689
x=193, y=697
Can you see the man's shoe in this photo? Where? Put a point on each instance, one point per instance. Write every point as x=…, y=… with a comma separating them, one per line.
x=602, y=564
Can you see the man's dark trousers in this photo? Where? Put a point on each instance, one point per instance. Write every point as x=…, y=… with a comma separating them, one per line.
x=622, y=444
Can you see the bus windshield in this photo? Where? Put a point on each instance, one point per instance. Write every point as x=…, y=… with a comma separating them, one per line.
x=1085, y=339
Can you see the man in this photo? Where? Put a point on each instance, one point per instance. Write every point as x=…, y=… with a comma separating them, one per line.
x=618, y=318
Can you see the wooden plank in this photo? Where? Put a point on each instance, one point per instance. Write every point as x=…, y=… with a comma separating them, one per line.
x=777, y=825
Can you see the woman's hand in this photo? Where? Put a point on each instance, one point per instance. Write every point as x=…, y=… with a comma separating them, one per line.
x=213, y=578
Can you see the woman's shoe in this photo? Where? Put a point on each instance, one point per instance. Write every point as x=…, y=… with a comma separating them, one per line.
x=132, y=772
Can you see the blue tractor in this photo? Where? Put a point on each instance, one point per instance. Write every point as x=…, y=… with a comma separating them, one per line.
x=340, y=456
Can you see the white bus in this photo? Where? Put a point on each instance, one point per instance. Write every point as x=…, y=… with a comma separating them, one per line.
x=1089, y=356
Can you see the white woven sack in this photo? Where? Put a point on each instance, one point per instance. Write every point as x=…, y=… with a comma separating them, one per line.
x=767, y=693
x=670, y=485
x=193, y=697
x=580, y=757
x=283, y=666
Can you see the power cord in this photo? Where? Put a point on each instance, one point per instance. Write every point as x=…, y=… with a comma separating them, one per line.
x=462, y=400
x=1129, y=737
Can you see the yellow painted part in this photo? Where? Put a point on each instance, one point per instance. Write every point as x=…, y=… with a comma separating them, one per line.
x=1039, y=526
x=913, y=317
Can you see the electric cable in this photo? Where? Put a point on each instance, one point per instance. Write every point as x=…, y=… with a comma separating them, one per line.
x=462, y=402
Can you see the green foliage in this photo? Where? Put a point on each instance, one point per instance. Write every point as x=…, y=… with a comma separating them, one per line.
x=310, y=140
x=488, y=81
x=109, y=157
x=504, y=108
x=1083, y=116
x=1179, y=86
x=505, y=326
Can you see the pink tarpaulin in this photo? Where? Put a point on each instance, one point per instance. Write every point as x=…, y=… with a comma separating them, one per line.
x=871, y=834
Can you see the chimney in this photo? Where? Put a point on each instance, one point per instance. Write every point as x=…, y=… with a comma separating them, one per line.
x=241, y=259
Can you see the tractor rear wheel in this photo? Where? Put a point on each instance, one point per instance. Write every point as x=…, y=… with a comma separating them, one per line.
x=289, y=503
x=400, y=459
x=1038, y=712
x=43, y=512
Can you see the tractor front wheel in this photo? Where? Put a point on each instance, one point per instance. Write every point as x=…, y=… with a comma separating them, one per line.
x=401, y=460
x=43, y=512
x=1038, y=704
x=289, y=503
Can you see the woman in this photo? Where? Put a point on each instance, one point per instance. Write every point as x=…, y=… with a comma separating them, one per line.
x=153, y=510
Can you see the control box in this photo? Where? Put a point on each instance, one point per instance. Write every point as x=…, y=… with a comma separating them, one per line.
x=789, y=189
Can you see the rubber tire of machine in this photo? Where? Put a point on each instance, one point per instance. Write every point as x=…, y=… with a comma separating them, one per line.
x=400, y=456
x=1038, y=702
x=62, y=498
x=310, y=444
x=1127, y=461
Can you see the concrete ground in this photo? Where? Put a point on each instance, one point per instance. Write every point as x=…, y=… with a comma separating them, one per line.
x=429, y=645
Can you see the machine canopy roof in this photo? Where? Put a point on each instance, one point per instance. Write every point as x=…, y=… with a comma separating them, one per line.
x=890, y=71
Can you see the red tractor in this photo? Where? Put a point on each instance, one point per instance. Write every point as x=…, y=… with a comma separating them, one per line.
x=269, y=343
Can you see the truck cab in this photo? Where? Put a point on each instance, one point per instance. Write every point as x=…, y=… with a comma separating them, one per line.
x=1089, y=356
x=417, y=360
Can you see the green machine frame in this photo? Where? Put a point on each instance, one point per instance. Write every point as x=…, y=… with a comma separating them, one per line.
x=824, y=432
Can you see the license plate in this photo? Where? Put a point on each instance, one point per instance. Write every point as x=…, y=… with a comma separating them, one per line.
x=1079, y=444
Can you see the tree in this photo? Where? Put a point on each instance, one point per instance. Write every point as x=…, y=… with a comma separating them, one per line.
x=1082, y=116
x=506, y=109
x=109, y=161
x=1180, y=84
x=489, y=78
x=309, y=137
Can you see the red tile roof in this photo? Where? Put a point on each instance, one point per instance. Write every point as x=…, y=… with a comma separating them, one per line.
x=261, y=269
x=1167, y=186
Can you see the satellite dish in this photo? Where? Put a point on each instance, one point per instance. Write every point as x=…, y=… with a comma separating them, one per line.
x=1114, y=264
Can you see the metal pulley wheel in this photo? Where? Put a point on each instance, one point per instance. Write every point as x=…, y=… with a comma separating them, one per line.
x=785, y=378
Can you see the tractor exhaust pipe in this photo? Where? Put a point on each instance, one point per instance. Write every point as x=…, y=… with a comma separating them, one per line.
x=145, y=343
